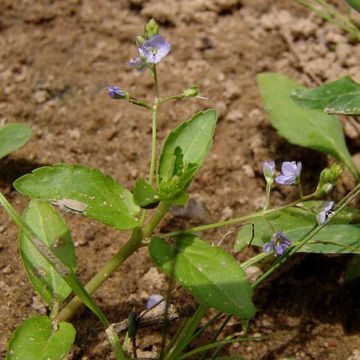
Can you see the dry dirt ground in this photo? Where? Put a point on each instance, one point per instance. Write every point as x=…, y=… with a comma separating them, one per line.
x=56, y=58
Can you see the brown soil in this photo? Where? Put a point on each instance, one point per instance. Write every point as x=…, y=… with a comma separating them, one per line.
x=56, y=59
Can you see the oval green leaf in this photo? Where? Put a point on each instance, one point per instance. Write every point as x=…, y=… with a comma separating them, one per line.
x=12, y=137
x=303, y=127
x=212, y=276
x=184, y=151
x=82, y=190
x=338, y=97
x=50, y=227
x=36, y=339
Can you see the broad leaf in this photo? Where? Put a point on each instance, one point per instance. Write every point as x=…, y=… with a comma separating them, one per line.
x=303, y=127
x=184, y=151
x=82, y=190
x=12, y=137
x=49, y=226
x=337, y=97
x=145, y=195
x=287, y=220
x=36, y=339
x=212, y=276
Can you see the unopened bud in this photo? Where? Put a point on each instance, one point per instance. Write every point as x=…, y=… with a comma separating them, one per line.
x=328, y=179
x=151, y=29
x=192, y=92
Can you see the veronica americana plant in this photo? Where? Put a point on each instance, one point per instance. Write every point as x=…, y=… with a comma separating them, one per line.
x=216, y=280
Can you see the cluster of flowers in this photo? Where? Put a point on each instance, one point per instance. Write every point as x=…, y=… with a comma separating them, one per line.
x=290, y=174
x=151, y=51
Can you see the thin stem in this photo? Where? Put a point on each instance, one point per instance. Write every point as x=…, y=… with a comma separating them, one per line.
x=216, y=335
x=300, y=191
x=267, y=196
x=236, y=220
x=174, y=97
x=153, y=142
x=205, y=326
x=184, y=337
x=253, y=260
x=154, y=221
x=156, y=81
x=230, y=339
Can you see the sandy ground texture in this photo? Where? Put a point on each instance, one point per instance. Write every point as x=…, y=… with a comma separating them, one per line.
x=57, y=57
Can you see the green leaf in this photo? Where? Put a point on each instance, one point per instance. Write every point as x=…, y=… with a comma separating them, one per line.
x=82, y=190
x=184, y=151
x=287, y=220
x=355, y=4
x=332, y=239
x=36, y=339
x=337, y=97
x=212, y=276
x=49, y=226
x=12, y=137
x=303, y=127
x=144, y=194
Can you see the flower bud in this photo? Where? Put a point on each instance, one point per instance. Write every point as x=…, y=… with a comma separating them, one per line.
x=191, y=92
x=328, y=179
x=151, y=28
x=116, y=93
x=139, y=41
x=269, y=171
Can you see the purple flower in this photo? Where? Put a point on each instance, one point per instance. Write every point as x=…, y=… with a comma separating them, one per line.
x=290, y=173
x=326, y=212
x=155, y=300
x=278, y=244
x=269, y=168
x=154, y=49
x=137, y=63
x=116, y=93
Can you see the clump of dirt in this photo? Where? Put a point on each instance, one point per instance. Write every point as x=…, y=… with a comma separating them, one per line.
x=56, y=60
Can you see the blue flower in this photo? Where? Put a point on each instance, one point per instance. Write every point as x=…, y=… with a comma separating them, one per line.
x=137, y=63
x=156, y=300
x=278, y=244
x=269, y=169
x=116, y=93
x=327, y=208
x=154, y=49
x=290, y=173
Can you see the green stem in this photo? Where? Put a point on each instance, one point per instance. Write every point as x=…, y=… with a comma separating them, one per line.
x=216, y=335
x=185, y=336
x=115, y=343
x=174, y=97
x=267, y=194
x=153, y=142
x=134, y=243
x=300, y=191
x=236, y=220
x=104, y=273
x=333, y=18
x=230, y=339
x=154, y=221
